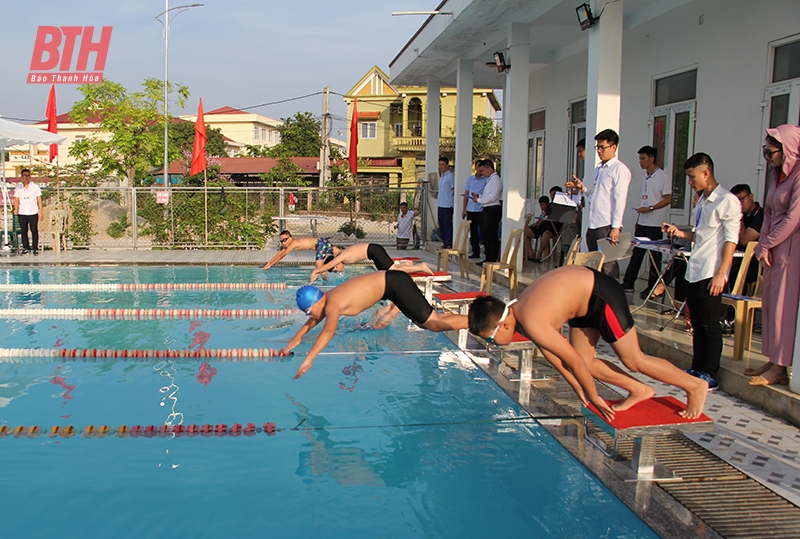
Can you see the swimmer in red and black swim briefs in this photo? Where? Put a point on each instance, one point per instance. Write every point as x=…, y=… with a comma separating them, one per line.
x=594, y=306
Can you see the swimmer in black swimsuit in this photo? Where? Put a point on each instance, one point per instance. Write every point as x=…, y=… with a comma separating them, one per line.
x=594, y=306
x=359, y=294
x=321, y=246
x=370, y=251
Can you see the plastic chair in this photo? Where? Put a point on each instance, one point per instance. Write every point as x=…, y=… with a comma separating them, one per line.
x=460, y=250
x=744, y=306
x=508, y=262
x=593, y=259
x=572, y=251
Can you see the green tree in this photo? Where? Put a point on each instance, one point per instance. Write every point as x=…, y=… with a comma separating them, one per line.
x=487, y=139
x=255, y=150
x=181, y=137
x=284, y=174
x=132, y=119
x=300, y=136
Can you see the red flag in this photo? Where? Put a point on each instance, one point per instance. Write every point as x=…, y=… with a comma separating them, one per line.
x=199, y=150
x=52, y=120
x=353, y=151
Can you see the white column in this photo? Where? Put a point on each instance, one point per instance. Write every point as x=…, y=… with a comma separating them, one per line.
x=515, y=127
x=432, y=147
x=794, y=382
x=463, y=160
x=604, y=81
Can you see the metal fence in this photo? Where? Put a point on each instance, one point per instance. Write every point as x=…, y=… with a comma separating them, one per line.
x=222, y=217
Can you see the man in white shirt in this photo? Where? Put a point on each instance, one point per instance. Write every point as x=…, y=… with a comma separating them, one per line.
x=472, y=211
x=447, y=184
x=607, y=197
x=492, y=212
x=653, y=210
x=716, y=231
x=405, y=220
x=27, y=207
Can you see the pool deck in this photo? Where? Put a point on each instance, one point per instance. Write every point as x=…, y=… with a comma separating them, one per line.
x=754, y=428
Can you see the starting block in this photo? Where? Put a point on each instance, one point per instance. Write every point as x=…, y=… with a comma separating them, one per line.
x=427, y=280
x=520, y=344
x=644, y=422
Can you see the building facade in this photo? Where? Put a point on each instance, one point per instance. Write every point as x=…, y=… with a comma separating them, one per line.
x=392, y=124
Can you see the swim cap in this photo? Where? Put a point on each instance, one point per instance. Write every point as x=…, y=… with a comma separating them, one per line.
x=307, y=296
x=328, y=259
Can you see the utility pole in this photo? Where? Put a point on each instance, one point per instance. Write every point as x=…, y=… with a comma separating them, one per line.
x=324, y=151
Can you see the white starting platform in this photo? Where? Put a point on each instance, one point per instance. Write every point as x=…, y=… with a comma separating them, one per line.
x=645, y=422
x=427, y=280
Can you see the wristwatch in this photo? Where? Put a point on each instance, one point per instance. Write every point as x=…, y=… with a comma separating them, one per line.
x=651, y=208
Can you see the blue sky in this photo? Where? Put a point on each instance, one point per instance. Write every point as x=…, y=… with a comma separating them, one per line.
x=229, y=52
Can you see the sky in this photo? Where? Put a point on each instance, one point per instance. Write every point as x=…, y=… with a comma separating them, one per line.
x=238, y=53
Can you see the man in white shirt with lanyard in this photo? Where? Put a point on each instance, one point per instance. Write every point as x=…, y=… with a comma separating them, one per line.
x=607, y=196
x=447, y=184
x=492, y=212
x=27, y=207
x=716, y=232
x=653, y=211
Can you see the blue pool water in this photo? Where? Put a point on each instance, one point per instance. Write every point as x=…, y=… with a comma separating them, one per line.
x=372, y=442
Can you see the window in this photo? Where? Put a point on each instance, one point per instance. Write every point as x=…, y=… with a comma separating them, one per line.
x=676, y=88
x=255, y=133
x=398, y=130
x=577, y=131
x=673, y=138
x=263, y=133
x=78, y=138
x=369, y=130
x=786, y=62
x=536, y=123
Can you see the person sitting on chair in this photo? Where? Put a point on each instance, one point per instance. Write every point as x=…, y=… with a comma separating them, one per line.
x=542, y=229
x=594, y=306
x=359, y=294
x=370, y=251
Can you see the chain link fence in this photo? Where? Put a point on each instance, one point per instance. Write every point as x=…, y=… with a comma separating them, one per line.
x=222, y=217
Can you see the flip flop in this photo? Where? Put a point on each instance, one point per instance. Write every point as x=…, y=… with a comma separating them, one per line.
x=761, y=381
x=757, y=372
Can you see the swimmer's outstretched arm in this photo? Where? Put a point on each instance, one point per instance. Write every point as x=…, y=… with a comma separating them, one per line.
x=354, y=253
x=325, y=336
x=310, y=324
x=278, y=257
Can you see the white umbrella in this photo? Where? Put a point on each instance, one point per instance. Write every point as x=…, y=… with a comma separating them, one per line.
x=11, y=134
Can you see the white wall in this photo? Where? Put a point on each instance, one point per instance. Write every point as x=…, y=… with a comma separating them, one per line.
x=731, y=52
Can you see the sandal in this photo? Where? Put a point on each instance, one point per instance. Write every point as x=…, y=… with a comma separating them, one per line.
x=782, y=380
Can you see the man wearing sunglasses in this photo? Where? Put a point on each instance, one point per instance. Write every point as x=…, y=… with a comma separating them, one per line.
x=324, y=250
x=594, y=305
x=358, y=294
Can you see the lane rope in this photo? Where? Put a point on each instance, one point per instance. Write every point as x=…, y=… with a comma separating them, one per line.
x=143, y=314
x=243, y=354
x=137, y=287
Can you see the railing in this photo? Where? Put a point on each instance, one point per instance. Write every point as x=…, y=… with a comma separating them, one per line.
x=413, y=144
x=224, y=217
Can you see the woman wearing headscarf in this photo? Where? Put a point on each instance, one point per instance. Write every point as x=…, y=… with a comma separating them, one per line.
x=778, y=250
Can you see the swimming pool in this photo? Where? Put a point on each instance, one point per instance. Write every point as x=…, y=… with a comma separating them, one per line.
x=393, y=433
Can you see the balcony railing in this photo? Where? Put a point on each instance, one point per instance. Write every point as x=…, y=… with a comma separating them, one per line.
x=417, y=144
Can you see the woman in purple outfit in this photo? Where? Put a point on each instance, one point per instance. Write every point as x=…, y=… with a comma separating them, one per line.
x=778, y=250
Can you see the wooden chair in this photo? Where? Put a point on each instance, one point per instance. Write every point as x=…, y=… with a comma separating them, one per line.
x=744, y=306
x=508, y=262
x=460, y=250
x=593, y=259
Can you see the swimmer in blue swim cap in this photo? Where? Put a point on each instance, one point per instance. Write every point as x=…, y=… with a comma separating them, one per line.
x=359, y=294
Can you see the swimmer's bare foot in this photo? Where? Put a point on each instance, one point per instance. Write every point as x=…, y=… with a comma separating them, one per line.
x=422, y=267
x=640, y=393
x=695, y=399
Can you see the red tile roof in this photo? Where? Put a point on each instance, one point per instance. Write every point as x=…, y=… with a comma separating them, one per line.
x=226, y=110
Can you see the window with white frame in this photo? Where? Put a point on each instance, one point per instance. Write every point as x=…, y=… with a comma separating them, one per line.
x=398, y=130
x=577, y=132
x=672, y=118
x=536, y=123
x=369, y=130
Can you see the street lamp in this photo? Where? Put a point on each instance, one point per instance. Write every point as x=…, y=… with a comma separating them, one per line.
x=165, y=23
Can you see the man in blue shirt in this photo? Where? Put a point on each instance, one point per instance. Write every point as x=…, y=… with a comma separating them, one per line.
x=472, y=210
x=447, y=183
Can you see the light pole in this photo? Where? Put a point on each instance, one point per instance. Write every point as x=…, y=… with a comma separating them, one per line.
x=165, y=23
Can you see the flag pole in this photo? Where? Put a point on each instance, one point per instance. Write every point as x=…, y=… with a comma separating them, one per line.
x=205, y=202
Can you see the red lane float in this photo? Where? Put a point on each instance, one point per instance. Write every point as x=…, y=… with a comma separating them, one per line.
x=136, y=287
x=140, y=431
x=80, y=354
x=144, y=314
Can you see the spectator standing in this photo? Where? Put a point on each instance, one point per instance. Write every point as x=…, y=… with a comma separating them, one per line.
x=492, y=211
x=716, y=231
x=653, y=211
x=779, y=250
x=405, y=221
x=472, y=211
x=447, y=183
x=607, y=196
x=28, y=207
